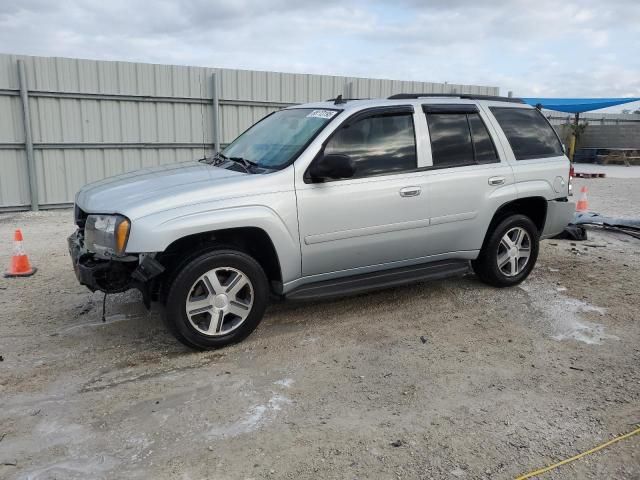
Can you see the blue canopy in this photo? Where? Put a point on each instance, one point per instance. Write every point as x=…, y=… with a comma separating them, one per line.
x=577, y=105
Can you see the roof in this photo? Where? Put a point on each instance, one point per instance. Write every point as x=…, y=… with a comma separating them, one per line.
x=577, y=105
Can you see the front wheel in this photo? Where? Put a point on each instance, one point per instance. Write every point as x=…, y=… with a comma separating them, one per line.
x=510, y=252
x=218, y=298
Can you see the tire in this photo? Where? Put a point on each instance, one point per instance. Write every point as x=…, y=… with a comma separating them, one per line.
x=225, y=292
x=496, y=249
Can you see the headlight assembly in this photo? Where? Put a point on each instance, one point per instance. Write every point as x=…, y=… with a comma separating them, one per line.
x=106, y=234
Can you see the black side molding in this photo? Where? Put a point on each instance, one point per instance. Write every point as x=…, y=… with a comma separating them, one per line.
x=378, y=280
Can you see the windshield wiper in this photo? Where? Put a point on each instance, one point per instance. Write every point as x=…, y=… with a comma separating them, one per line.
x=246, y=164
x=218, y=158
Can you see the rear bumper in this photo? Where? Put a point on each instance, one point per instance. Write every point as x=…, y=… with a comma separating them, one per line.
x=559, y=215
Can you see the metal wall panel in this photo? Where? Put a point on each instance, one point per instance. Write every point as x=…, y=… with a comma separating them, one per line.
x=14, y=181
x=61, y=172
x=11, y=124
x=92, y=119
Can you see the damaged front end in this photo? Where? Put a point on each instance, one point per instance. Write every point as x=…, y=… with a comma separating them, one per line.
x=99, y=267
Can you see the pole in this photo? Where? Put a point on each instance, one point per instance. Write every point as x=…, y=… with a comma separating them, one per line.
x=28, y=138
x=216, y=114
x=572, y=144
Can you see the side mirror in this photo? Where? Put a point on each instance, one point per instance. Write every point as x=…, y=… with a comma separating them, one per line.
x=333, y=166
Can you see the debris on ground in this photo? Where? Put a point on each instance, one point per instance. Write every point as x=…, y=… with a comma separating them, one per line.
x=458, y=472
x=572, y=232
x=629, y=226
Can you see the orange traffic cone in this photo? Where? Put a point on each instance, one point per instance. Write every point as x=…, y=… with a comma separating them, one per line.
x=582, y=205
x=20, y=266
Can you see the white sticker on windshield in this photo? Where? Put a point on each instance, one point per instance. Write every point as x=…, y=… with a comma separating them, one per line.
x=322, y=114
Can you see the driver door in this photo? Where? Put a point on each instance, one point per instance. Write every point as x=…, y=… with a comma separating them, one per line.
x=381, y=214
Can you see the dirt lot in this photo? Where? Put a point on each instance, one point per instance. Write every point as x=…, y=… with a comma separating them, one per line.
x=505, y=381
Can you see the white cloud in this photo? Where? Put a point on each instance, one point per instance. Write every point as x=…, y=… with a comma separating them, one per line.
x=542, y=48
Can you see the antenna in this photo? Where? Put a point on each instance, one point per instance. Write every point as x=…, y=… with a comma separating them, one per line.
x=339, y=100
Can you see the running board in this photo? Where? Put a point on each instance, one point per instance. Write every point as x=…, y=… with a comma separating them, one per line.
x=381, y=279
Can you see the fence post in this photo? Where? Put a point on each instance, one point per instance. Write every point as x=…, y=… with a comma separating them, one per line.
x=28, y=139
x=216, y=114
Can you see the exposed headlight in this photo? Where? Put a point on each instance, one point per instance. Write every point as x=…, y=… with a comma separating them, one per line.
x=106, y=234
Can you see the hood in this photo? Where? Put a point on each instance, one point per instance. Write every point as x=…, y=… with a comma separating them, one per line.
x=145, y=191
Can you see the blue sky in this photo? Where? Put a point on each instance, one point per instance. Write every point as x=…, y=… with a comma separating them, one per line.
x=544, y=48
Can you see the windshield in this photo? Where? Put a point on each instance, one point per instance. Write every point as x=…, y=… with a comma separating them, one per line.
x=275, y=141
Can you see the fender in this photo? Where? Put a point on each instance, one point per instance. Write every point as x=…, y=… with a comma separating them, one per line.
x=536, y=188
x=154, y=233
x=503, y=194
x=499, y=197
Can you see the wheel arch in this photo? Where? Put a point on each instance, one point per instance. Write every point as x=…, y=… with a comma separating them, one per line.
x=263, y=226
x=254, y=241
x=534, y=207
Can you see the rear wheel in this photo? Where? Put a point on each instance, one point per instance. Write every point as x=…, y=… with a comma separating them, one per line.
x=510, y=252
x=216, y=299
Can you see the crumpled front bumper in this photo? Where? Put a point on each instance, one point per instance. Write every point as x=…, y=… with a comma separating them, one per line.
x=84, y=273
x=111, y=275
x=98, y=274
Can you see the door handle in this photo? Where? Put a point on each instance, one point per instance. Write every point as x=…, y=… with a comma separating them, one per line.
x=410, y=191
x=496, y=181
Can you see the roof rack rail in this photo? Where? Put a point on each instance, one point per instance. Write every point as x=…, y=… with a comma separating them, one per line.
x=344, y=100
x=469, y=96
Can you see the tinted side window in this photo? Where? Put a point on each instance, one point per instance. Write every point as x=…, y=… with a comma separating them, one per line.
x=450, y=139
x=378, y=144
x=528, y=132
x=485, y=151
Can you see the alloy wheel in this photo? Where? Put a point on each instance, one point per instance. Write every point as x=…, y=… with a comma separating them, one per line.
x=219, y=301
x=514, y=251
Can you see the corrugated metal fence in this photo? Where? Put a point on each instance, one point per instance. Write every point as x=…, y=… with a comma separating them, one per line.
x=92, y=119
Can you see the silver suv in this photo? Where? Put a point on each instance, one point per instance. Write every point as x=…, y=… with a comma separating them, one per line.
x=327, y=199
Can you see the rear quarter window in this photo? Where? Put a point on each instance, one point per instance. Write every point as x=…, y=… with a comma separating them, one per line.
x=528, y=132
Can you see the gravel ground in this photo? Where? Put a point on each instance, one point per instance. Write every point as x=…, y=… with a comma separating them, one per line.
x=449, y=379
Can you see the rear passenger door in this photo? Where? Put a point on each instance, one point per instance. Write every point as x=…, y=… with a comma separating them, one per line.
x=542, y=168
x=469, y=177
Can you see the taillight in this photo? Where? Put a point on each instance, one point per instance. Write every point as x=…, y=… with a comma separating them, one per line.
x=572, y=173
